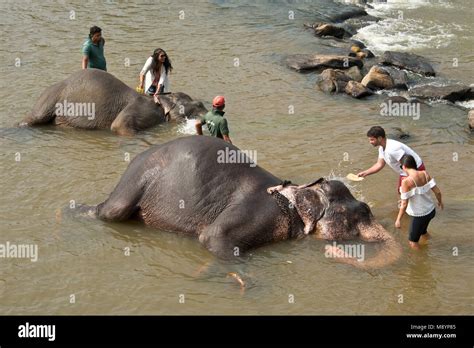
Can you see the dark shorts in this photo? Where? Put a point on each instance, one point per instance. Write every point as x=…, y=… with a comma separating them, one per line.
x=419, y=225
x=401, y=177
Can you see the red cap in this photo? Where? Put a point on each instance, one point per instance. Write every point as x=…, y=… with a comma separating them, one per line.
x=218, y=101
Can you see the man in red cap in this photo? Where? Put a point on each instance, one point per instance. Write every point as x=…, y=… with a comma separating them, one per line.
x=216, y=123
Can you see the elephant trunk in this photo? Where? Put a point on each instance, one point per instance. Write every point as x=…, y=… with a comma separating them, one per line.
x=390, y=250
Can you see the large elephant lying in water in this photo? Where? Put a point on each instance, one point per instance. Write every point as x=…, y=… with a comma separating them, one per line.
x=187, y=186
x=95, y=99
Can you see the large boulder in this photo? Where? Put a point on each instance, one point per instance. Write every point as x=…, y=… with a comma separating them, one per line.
x=470, y=119
x=348, y=12
x=357, y=90
x=409, y=61
x=451, y=93
x=333, y=81
x=399, y=77
x=302, y=62
x=377, y=78
x=354, y=73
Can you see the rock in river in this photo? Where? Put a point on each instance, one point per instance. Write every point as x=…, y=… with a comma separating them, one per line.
x=409, y=61
x=377, y=78
x=302, y=62
x=357, y=90
x=452, y=93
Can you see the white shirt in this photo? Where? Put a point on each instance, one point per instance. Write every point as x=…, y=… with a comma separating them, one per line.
x=394, y=151
x=419, y=198
x=150, y=76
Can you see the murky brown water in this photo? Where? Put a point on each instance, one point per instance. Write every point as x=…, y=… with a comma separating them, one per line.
x=86, y=258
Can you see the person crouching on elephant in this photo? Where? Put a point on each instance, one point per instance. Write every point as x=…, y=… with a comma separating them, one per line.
x=154, y=75
x=416, y=200
x=216, y=123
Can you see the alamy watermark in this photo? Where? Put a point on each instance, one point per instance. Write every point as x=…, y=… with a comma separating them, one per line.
x=237, y=156
x=21, y=251
x=71, y=109
x=400, y=109
x=356, y=251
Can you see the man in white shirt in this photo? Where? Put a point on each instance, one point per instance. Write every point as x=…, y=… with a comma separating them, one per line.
x=390, y=152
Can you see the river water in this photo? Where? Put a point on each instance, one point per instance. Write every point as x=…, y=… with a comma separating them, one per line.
x=235, y=48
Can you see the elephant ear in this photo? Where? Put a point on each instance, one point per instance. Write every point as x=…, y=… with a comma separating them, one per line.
x=311, y=206
x=167, y=104
x=320, y=180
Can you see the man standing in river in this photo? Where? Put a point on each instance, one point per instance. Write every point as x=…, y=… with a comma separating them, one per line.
x=93, y=50
x=216, y=123
x=390, y=152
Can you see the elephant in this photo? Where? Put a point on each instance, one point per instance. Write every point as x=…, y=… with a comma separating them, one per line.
x=192, y=185
x=95, y=99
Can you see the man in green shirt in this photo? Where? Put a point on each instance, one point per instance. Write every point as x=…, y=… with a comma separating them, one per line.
x=216, y=123
x=93, y=50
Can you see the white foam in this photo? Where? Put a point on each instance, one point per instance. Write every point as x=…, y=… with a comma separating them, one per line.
x=404, y=35
x=469, y=104
x=389, y=5
x=187, y=127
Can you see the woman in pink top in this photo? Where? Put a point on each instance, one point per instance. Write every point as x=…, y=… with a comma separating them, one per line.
x=416, y=200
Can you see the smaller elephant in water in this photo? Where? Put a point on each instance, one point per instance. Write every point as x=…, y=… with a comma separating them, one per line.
x=95, y=99
x=186, y=186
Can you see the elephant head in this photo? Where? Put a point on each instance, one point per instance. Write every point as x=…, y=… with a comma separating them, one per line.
x=180, y=105
x=329, y=210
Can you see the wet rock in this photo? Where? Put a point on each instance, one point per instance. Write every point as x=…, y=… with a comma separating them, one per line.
x=354, y=73
x=348, y=12
x=396, y=99
x=325, y=29
x=377, y=78
x=353, y=25
x=399, y=133
x=399, y=77
x=470, y=119
x=333, y=81
x=302, y=62
x=361, y=54
x=368, y=64
x=358, y=43
x=451, y=93
x=357, y=90
x=408, y=61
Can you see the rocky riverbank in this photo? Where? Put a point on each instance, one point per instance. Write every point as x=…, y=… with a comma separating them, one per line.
x=354, y=70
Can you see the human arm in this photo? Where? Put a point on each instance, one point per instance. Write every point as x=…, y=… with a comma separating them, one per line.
x=142, y=80
x=403, y=204
x=377, y=167
x=224, y=128
x=198, y=126
x=436, y=191
x=143, y=72
x=85, y=54
x=161, y=81
x=85, y=62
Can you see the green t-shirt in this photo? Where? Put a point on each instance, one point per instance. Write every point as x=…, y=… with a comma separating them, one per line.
x=95, y=53
x=216, y=123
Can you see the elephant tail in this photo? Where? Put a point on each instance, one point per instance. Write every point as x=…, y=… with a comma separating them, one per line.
x=389, y=249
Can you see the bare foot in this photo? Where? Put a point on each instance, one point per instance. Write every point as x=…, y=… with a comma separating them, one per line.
x=414, y=245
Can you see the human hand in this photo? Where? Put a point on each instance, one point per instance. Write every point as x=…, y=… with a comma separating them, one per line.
x=362, y=174
x=441, y=205
x=398, y=224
